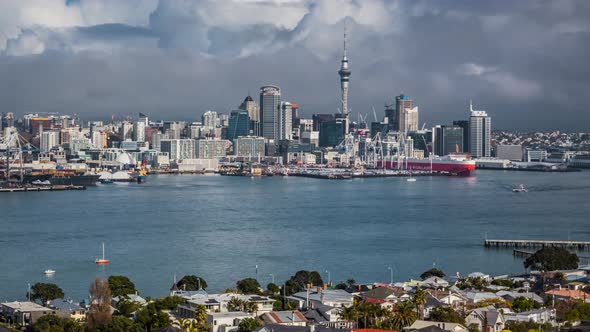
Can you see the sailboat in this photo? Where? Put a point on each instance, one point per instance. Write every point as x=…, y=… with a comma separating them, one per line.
x=102, y=261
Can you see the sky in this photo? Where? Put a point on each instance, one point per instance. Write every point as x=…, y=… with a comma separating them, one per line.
x=525, y=62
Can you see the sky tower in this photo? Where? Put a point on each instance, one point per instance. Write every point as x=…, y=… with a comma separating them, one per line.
x=344, y=73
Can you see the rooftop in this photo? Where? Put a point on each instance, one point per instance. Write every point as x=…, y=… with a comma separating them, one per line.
x=25, y=306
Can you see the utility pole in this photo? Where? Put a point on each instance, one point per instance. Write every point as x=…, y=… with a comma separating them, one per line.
x=391, y=274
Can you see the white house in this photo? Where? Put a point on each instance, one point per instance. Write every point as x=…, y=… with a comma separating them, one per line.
x=486, y=319
x=225, y=321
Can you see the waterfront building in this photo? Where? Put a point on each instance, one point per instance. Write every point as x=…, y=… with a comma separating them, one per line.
x=464, y=124
x=79, y=144
x=49, y=139
x=270, y=100
x=311, y=137
x=332, y=132
x=249, y=146
x=239, y=124
x=318, y=119
x=211, y=148
x=285, y=121
x=157, y=138
x=511, y=152
x=447, y=140
x=537, y=155
x=392, y=118
x=344, y=74
x=253, y=110
x=178, y=149
x=480, y=132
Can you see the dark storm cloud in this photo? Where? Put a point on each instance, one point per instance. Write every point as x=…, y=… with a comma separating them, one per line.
x=524, y=62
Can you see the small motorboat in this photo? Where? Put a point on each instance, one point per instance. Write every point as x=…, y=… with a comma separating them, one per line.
x=49, y=272
x=411, y=179
x=519, y=189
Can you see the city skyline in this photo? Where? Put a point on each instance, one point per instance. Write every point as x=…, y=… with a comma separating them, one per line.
x=98, y=59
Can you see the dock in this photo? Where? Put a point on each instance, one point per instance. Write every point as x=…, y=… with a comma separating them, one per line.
x=37, y=189
x=525, y=253
x=537, y=243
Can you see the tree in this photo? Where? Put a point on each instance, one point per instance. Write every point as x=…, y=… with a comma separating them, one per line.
x=249, y=324
x=341, y=285
x=419, y=299
x=273, y=288
x=521, y=304
x=100, y=304
x=169, y=302
x=551, y=259
x=404, y=316
x=150, y=318
x=121, y=286
x=351, y=282
x=235, y=304
x=496, y=303
x=126, y=307
x=191, y=283
x=52, y=323
x=445, y=314
x=434, y=272
x=248, y=286
x=45, y=292
x=120, y=324
x=298, y=282
x=201, y=317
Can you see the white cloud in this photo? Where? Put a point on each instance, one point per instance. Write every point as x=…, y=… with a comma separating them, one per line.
x=474, y=69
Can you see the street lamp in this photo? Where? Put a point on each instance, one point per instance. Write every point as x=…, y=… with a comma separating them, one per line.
x=329, y=278
x=273, y=277
x=391, y=274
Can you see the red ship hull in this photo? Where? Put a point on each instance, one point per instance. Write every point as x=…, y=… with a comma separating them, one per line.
x=460, y=168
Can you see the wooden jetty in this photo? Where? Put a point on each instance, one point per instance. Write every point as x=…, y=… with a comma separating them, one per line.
x=537, y=243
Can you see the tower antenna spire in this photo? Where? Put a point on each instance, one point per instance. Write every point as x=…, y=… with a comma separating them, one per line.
x=345, y=37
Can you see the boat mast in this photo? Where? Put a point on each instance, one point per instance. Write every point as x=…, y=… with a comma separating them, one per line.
x=103, y=251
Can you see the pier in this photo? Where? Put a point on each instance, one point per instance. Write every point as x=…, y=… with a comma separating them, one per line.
x=44, y=188
x=537, y=243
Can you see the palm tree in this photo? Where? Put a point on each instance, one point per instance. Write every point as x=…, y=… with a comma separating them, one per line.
x=420, y=298
x=404, y=316
x=349, y=314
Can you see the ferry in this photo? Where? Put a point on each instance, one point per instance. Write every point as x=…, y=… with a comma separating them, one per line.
x=452, y=164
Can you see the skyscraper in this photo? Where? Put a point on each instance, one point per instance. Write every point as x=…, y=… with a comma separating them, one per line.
x=270, y=99
x=253, y=113
x=480, y=132
x=344, y=73
x=406, y=113
x=285, y=121
x=210, y=119
x=239, y=124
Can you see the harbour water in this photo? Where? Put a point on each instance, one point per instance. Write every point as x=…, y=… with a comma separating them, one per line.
x=221, y=228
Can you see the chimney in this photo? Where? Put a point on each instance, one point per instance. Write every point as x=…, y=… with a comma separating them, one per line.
x=312, y=328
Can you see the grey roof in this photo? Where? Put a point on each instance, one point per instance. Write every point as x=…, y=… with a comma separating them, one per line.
x=289, y=328
x=432, y=301
x=431, y=328
x=315, y=316
x=378, y=293
x=63, y=304
x=492, y=315
x=283, y=317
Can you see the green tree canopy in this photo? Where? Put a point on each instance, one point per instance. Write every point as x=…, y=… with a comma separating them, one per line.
x=434, y=272
x=273, y=288
x=52, y=323
x=249, y=324
x=551, y=259
x=248, y=286
x=120, y=324
x=445, y=314
x=45, y=292
x=298, y=282
x=169, y=302
x=121, y=285
x=150, y=318
x=191, y=283
x=521, y=304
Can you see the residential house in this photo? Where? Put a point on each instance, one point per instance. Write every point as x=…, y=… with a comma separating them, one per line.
x=420, y=325
x=219, y=303
x=225, y=321
x=387, y=294
x=512, y=295
x=76, y=311
x=568, y=294
x=539, y=316
x=450, y=298
x=431, y=303
x=311, y=328
x=27, y=313
x=327, y=316
x=487, y=319
x=330, y=297
x=134, y=298
x=288, y=317
x=435, y=283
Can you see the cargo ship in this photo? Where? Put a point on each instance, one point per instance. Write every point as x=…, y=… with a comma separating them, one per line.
x=63, y=178
x=454, y=165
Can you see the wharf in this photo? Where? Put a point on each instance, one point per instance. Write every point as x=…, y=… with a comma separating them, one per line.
x=525, y=253
x=537, y=243
x=43, y=188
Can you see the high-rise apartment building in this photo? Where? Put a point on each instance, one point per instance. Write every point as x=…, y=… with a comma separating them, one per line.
x=211, y=148
x=403, y=103
x=447, y=140
x=49, y=139
x=480, y=132
x=270, y=99
x=285, y=121
x=249, y=146
x=210, y=119
x=139, y=131
x=178, y=149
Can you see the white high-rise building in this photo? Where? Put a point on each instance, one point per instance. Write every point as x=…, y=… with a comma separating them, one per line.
x=210, y=119
x=410, y=120
x=49, y=139
x=178, y=149
x=480, y=133
x=139, y=131
x=285, y=121
x=126, y=130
